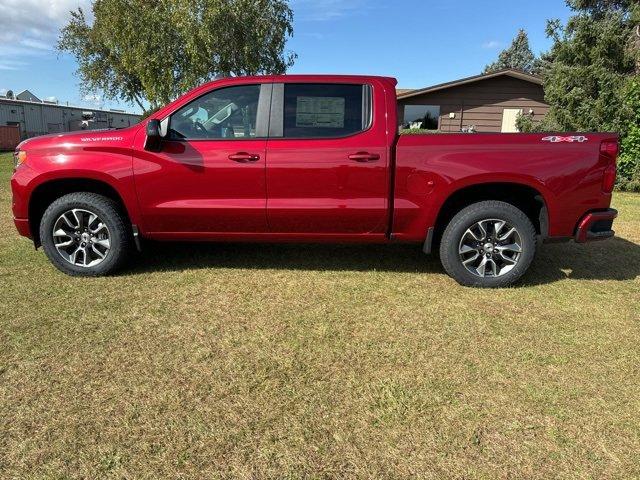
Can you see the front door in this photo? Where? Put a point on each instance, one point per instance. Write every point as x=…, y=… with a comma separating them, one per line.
x=210, y=175
x=327, y=165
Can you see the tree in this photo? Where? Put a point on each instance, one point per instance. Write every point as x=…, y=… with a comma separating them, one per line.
x=518, y=56
x=140, y=51
x=601, y=7
x=586, y=71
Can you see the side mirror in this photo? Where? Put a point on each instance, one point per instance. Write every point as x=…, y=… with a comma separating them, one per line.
x=153, y=142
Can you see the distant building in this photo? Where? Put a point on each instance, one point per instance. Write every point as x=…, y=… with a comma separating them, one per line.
x=488, y=103
x=27, y=96
x=36, y=117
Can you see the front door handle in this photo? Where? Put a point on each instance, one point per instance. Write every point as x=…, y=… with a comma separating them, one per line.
x=244, y=157
x=364, y=157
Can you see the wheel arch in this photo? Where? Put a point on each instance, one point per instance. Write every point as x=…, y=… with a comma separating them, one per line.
x=49, y=190
x=526, y=197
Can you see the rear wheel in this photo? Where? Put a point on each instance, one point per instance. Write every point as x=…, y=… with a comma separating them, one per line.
x=85, y=234
x=488, y=244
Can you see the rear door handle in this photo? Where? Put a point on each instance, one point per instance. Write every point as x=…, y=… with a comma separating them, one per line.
x=244, y=157
x=364, y=157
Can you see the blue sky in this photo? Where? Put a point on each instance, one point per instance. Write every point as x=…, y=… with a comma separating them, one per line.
x=420, y=42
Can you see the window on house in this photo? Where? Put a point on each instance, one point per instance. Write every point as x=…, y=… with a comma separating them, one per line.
x=421, y=116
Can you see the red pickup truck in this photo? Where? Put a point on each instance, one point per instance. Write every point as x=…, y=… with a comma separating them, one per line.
x=309, y=158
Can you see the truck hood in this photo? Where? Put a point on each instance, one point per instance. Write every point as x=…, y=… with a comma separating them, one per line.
x=82, y=138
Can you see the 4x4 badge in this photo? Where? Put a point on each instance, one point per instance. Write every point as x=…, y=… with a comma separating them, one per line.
x=572, y=139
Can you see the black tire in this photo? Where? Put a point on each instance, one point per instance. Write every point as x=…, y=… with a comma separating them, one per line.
x=452, y=244
x=109, y=213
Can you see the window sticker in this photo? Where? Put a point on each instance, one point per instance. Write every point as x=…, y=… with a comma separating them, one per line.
x=320, y=112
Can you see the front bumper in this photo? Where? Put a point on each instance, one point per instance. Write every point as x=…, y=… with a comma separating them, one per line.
x=20, y=190
x=596, y=226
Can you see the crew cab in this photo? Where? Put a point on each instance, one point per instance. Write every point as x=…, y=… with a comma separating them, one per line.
x=310, y=158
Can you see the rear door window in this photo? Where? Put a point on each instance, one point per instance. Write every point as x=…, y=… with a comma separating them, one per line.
x=325, y=110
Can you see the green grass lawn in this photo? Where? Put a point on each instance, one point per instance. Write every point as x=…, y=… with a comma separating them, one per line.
x=257, y=361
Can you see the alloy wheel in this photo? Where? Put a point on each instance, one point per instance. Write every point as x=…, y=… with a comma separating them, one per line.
x=81, y=237
x=490, y=248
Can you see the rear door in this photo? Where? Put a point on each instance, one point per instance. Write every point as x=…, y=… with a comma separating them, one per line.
x=327, y=162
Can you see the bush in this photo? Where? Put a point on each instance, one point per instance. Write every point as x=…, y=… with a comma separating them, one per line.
x=526, y=124
x=629, y=160
x=630, y=185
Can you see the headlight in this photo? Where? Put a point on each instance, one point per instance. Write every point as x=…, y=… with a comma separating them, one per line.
x=19, y=157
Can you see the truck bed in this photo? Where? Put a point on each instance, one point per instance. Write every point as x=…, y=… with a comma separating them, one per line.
x=565, y=169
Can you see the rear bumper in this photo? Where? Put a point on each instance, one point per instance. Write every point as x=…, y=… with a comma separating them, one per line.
x=22, y=224
x=596, y=226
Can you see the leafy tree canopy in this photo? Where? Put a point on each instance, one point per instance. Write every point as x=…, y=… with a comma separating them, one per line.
x=518, y=56
x=586, y=71
x=600, y=7
x=140, y=51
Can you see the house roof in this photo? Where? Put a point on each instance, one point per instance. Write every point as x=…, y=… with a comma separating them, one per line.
x=463, y=81
x=27, y=95
x=403, y=91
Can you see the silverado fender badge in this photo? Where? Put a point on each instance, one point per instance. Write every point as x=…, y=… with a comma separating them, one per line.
x=571, y=139
x=100, y=139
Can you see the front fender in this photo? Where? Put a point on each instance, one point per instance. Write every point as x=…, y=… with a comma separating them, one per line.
x=41, y=172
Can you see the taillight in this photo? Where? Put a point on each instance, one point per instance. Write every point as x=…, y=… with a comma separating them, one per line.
x=609, y=149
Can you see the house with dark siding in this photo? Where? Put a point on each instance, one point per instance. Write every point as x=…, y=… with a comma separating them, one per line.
x=488, y=103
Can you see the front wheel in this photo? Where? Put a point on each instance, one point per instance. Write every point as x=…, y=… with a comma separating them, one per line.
x=488, y=244
x=85, y=234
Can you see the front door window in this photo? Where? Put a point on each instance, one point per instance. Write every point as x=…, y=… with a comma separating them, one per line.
x=227, y=113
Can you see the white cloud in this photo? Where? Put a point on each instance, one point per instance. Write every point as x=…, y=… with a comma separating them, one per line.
x=492, y=44
x=31, y=27
x=8, y=64
x=31, y=43
x=322, y=10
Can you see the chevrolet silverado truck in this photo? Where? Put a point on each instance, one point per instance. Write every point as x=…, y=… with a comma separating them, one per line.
x=310, y=158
